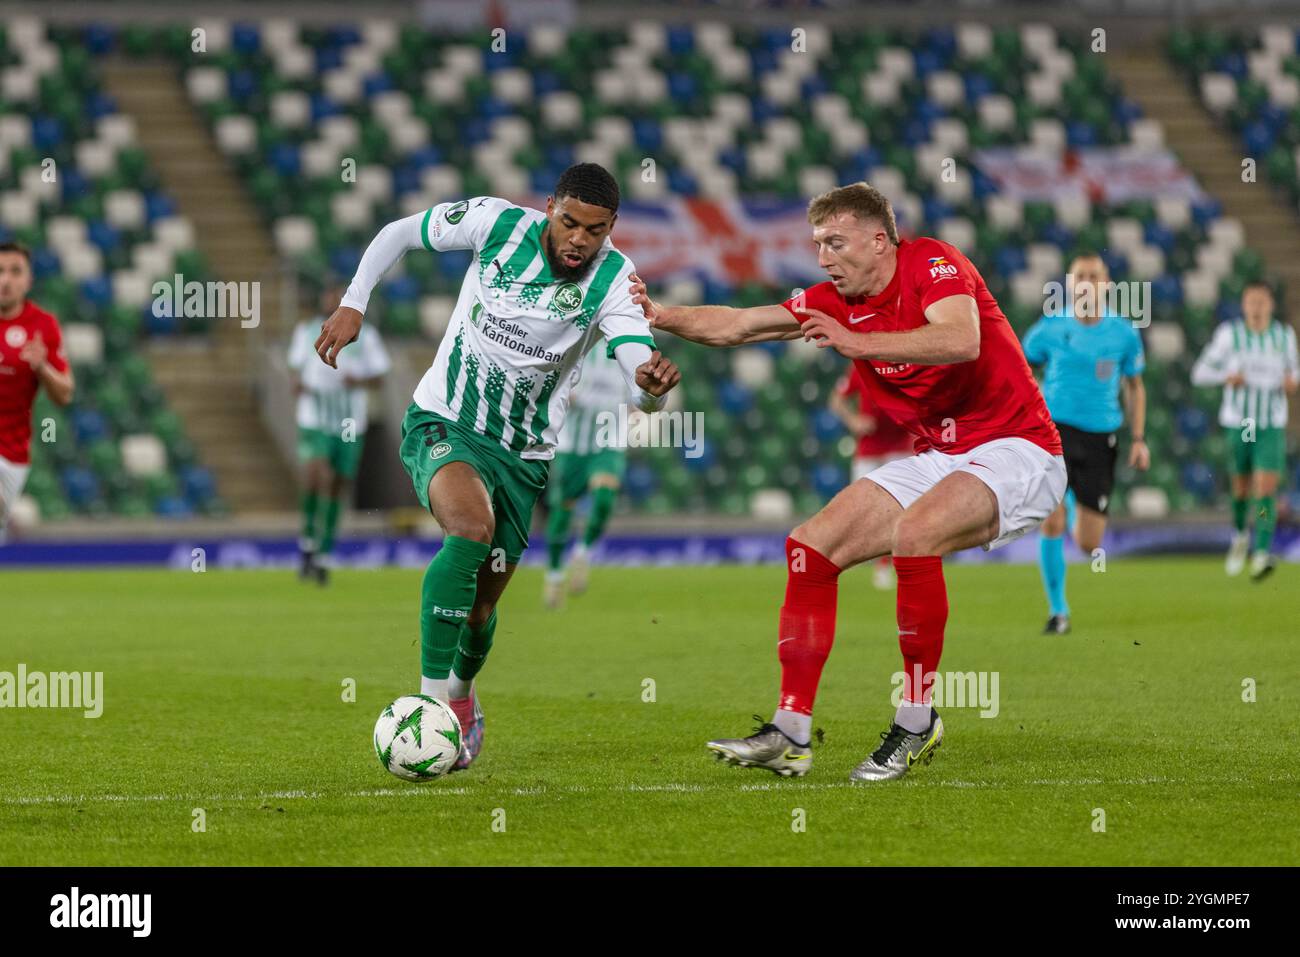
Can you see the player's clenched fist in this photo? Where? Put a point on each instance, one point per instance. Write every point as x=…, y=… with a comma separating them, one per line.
x=658, y=374
x=339, y=329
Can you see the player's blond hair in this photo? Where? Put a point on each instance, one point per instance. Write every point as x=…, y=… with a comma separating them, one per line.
x=862, y=200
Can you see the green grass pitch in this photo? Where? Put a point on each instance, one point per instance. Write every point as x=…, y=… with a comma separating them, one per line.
x=224, y=691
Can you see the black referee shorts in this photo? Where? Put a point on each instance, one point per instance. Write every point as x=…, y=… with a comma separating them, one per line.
x=1089, y=465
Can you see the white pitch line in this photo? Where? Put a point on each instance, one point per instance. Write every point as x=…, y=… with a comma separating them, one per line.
x=671, y=788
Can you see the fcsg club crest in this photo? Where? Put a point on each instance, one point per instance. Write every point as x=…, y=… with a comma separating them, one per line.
x=567, y=299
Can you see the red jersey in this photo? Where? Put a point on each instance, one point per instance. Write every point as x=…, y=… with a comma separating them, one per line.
x=889, y=436
x=954, y=407
x=18, y=383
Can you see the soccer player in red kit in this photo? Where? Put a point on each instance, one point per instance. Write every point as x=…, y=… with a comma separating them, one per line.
x=31, y=355
x=940, y=358
x=879, y=439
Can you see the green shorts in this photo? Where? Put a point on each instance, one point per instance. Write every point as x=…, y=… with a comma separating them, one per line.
x=572, y=473
x=343, y=457
x=1266, y=454
x=430, y=441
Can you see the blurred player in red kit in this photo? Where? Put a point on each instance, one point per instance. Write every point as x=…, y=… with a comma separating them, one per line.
x=939, y=357
x=31, y=356
x=878, y=439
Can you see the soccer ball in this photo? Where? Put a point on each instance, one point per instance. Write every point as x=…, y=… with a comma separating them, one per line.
x=417, y=738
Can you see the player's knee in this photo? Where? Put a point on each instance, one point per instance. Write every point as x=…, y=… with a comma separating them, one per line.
x=1088, y=543
x=913, y=537
x=473, y=527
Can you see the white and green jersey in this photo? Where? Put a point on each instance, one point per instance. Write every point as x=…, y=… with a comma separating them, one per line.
x=517, y=335
x=1264, y=359
x=601, y=390
x=327, y=401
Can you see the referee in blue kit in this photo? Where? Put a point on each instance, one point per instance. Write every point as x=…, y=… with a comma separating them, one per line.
x=1088, y=356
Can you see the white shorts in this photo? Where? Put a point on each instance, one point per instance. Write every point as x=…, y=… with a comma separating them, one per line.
x=12, y=479
x=864, y=465
x=1028, y=481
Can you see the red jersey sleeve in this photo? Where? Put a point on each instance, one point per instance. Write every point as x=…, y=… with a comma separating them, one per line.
x=936, y=273
x=823, y=297
x=53, y=337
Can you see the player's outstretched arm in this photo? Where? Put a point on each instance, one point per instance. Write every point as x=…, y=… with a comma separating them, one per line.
x=384, y=250
x=716, y=325
x=951, y=334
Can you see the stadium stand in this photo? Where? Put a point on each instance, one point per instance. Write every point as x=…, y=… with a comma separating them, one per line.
x=952, y=123
x=77, y=190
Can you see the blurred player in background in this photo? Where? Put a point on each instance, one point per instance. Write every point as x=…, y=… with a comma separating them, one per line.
x=332, y=423
x=541, y=290
x=939, y=357
x=31, y=357
x=879, y=440
x=1254, y=359
x=586, y=463
x=1088, y=357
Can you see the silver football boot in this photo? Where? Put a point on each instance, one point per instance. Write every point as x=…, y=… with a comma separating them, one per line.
x=768, y=747
x=899, y=750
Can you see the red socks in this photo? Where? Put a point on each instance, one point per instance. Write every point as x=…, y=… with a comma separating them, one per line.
x=807, y=624
x=922, y=614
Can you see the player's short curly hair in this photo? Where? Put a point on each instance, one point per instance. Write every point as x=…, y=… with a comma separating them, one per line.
x=862, y=200
x=591, y=183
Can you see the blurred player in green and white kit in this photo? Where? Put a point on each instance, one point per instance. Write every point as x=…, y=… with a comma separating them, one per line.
x=541, y=290
x=1254, y=358
x=332, y=424
x=590, y=458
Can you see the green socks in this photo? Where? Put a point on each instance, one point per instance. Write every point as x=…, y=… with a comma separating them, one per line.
x=557, y=535
x=1239, y=506
x=1265, y=522
x=331, y=524
x=446, y=598
x=475, y=643
x=602, y=504
x=307, y=502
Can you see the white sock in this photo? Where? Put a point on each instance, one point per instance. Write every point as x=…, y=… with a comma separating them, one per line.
x=797, y=727
x=555, y=574
x=458, y=687
x=913, y=715
x=580, y=550
x=434, y=687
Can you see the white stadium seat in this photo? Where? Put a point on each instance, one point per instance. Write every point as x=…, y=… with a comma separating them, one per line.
x=132, y=289
x=125, y=209
x=143, y=455
x=1218, y=92
x=174, y=232
x=83, y=343
x=435, y=315
x=291, y=109
x=236, y=135
x=117, y=130
x=294, y=235
x=205, y=84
